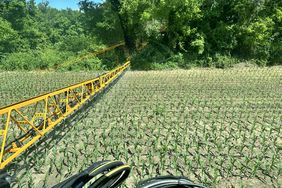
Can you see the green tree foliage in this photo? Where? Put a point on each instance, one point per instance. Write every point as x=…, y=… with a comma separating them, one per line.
x=33, y=59
x=9, y=40
x=36, y=36
x=15, y=12
x=178, y=28
x=178, y=33
x=101, y=21
x=276, y=47
x=245, y=29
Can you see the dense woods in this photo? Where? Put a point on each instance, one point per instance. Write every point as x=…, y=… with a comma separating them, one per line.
x=177, y=34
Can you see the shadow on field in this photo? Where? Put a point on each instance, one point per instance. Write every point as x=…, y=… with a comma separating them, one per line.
x=26, y=161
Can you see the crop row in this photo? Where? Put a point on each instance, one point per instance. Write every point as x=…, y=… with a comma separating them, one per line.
x=220, y=128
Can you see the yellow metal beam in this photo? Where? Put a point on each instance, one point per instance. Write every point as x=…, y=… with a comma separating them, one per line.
x=33, y=118
x=91, y=55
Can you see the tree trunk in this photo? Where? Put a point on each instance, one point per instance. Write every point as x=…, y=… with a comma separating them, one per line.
x=128, y=33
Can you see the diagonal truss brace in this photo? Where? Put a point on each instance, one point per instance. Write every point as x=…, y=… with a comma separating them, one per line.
x=24, y=123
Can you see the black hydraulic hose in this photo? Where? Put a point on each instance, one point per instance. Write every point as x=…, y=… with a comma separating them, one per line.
x=168, y=182
x=108, y=174
x=113, y=178
x=78, y=179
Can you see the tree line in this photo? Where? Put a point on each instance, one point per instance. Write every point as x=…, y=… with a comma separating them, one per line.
x=176, y=34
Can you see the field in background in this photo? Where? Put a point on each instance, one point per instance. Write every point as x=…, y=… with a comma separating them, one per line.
x=17, y=86
x=218, y=127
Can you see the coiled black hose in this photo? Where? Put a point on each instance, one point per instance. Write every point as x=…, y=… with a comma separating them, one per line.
x=107, y=174
x=168, y=182
x=103, y=174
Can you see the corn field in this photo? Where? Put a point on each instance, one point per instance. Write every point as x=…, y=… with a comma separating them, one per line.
x=16, y=86
x=221, y=128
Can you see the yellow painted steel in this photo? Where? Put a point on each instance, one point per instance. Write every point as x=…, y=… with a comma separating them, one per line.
x=24, y=123
x=92, y=54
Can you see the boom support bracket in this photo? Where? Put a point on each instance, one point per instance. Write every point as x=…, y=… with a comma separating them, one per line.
x=24, y=123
